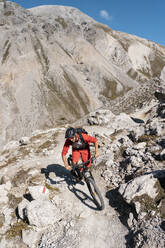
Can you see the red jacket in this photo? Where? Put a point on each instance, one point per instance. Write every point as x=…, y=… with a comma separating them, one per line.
x=88, y=139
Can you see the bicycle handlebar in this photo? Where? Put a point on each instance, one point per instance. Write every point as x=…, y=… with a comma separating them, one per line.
x=81, y=165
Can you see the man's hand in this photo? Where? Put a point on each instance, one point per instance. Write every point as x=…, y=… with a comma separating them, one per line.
x=96, y=150
x=68, y=167
x=96, y=155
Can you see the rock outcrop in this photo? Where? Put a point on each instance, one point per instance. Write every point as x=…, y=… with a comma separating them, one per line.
x=41, y=206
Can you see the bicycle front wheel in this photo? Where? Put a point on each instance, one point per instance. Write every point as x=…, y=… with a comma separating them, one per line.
x=95, y=193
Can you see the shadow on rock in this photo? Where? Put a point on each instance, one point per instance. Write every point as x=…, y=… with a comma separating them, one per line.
x=117, y=202
x=160, y=175
x=83, y=197
x=59, y=171
x=163, y=225
x=137, y=120
x=66, y=176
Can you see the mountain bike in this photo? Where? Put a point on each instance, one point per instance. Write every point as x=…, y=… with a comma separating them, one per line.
x=81, y=171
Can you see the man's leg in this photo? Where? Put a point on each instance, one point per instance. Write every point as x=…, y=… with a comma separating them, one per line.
x=75, y=159
x=75, y=156
x=85, y=155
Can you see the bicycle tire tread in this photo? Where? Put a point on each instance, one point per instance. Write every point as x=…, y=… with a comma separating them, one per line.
x=100, y=204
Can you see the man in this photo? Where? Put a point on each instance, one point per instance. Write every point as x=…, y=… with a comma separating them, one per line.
x=80, y=147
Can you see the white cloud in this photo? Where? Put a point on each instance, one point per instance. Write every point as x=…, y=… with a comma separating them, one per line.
x=104, y=14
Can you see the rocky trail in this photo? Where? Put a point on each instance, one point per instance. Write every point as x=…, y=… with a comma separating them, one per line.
x=42, y=207
x=87, y=226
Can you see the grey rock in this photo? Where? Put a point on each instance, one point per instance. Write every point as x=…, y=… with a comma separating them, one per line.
x=42, y=213
x=100, y=117
x=24, y=141
x=140, y=145
x=31, y=237
x=139, y=186
x=130, y=220
x=22, y=209
x=39, y=192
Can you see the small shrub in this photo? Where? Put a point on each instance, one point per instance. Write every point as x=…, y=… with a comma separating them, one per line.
x=114, y=135
x=45, y=145
x=20, y=178
x=147, y=138
x=6, y=53
x=16, y=230
x=8, y=13
x=2, y=220
x=13, y=201
x=62, y=22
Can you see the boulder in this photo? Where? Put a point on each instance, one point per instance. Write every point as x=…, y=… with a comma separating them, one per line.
x=22, y=209
x=39, y=192
x=100, y=117
x=123, y=121
x=4, y=188
x=31, y=237
x=24, y=141
x=143, y=192
x=139, y=186
x=42, y=213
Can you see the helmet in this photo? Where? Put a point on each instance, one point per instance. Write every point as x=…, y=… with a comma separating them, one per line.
x=70, y=132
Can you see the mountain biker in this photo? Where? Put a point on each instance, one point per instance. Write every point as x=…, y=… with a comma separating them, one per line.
x=80, y=148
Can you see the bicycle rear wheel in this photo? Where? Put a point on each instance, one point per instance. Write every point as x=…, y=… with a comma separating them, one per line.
x=95, y=193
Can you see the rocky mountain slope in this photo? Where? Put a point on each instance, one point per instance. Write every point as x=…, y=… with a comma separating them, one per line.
x=59, y=66
x=41, y=206
x=54, y=58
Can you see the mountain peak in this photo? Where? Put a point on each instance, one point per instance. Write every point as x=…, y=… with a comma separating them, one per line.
x=54, y=58
x=66, y=12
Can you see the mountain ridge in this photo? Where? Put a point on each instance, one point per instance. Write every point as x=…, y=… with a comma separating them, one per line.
x=51, y=64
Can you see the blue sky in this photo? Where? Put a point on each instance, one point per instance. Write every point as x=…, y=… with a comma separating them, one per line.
x=144, y=18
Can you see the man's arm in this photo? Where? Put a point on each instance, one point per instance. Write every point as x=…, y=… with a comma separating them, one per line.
x=64, y=158
x=64, y=152
x=96, y=149
x=93, y=140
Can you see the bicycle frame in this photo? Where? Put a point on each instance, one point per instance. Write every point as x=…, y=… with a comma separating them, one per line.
x=86, y=173
x=89, y=179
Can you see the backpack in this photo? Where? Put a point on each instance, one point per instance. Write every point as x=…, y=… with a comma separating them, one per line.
x=82, y=144
x=80, y=130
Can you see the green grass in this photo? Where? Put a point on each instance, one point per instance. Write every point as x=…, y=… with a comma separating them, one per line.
x=115, y=134
x=162, y=209
x=36, y=137
x=111, y=86
x=62, y=22
x=2, y=220
x=20, y=178
x=6, y=52
x=149, y=139
x=16, y=230
x=103, y=27
x=73, y=85
x=149, y=204
x=8, y=13
x=132, y=73
x=48, y=186
x=13, y=201
x=40, y=53
x=45, y=145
